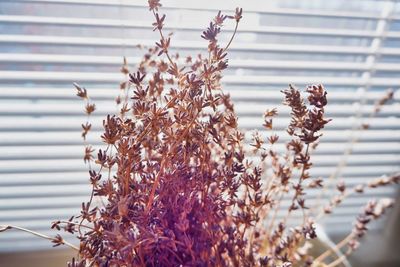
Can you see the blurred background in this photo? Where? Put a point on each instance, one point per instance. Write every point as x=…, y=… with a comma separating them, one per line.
x=351, y=46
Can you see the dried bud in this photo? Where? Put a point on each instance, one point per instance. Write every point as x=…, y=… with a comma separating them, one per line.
x=328, y=209
x=154, y=4
x=90, y=108
x=88, y=154
x=341, y=186
x=136, y=78
x=219, y=19
x=359, y=189
x=273, y=139
x=124, y=70
x=57, y=240
x=238, y=14
x=317, y=96
x=81, y=92
x=158, y=25
x=211, y=33
x=353, y=244
x=270, y=112
x=316, y=183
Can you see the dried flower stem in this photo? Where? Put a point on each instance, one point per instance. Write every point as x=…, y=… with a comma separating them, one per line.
x=334, y=249
x=77, y=224
x=393, y=179
x=232, y=37
x=338, y=260
x=297, y=192
x=6, y=227
x=276, y=209
x=350, y=145
x=91, y=197
x=162, y=165
x=162, y=38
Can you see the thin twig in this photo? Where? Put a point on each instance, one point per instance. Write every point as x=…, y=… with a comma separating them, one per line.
x=335, y=249
x=5, y=227
x=232, y=37
x=162, y=37
x=299, y=183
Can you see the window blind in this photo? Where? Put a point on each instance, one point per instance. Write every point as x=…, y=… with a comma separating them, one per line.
x=352, y=47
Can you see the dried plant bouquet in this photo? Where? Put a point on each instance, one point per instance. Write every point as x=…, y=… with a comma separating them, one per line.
x=177, y=185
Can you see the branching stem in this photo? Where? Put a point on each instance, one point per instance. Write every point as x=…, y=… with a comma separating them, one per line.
x=5, y=227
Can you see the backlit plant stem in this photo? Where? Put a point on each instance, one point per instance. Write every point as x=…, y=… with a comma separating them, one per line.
x=334, y=249
x=81, y=225
x=299, y=184
x=162, y=37
x=39, y=235
x=232, y=37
